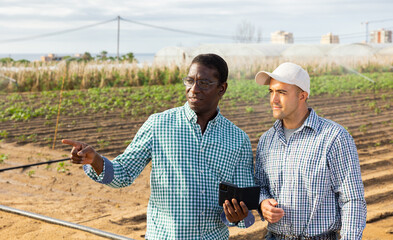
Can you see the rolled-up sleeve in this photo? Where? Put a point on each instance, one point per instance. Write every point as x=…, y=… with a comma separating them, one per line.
x=125, y=168
x=106, y=175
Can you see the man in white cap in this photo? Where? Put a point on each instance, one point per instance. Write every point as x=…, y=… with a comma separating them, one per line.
x=307, y=166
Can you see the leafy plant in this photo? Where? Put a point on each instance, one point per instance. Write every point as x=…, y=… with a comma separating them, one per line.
x=32, y=137
x=363, y=128
x=21, y=138
x=62, y=167
x=372, y=105
x=48, y=139
x=31, y=173
x=249, y=110
x=4, y=134
x=102, y=143
x=3, y=157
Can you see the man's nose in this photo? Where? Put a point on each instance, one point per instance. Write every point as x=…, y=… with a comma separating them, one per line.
x=195, y=87
x=274, y=97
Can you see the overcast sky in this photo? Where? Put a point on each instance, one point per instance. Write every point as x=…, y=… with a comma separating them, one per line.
x=306, y=19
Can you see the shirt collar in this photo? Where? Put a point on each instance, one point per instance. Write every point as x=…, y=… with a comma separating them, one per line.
x=311, y=122
x=192, y=117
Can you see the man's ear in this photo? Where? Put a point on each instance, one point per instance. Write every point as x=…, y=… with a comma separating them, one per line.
x=303, y=95
x=222, y=89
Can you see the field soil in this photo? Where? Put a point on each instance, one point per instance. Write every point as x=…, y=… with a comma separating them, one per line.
x=63, y=191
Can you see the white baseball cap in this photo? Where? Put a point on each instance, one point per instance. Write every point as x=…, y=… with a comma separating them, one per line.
x=287, y=72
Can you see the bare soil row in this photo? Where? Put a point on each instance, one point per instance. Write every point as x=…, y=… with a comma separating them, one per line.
x=110, y=133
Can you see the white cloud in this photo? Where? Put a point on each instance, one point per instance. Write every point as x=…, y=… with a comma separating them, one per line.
x=16, y=11
x=21, y=18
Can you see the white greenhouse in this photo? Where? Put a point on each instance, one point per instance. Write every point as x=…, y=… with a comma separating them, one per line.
x=245, y=54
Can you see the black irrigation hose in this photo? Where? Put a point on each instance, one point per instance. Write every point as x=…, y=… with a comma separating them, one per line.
x=64, y=223
x=34, y=164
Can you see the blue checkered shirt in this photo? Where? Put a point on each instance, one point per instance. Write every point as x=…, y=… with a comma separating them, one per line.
x=187, y=168
x=314, y=177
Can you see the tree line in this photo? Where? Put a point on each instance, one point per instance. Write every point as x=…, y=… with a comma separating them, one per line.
x=85, y=57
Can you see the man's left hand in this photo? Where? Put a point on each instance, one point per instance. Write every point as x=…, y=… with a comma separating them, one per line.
x=235, y=212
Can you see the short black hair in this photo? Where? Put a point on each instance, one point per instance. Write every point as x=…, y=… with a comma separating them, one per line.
x=213, y=61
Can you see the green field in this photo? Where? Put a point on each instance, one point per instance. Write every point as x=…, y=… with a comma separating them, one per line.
x=137, y=101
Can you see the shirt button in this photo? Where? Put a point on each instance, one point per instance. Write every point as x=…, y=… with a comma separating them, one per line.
x=201, y=171
x=202, y=213
x=203, y=191
x=201, y=149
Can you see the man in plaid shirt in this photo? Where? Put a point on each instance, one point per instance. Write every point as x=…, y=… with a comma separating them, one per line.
x=192, y=149
x=307, y=166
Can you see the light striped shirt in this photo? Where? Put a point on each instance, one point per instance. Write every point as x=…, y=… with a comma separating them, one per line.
x=315, y=178
x=187, y=167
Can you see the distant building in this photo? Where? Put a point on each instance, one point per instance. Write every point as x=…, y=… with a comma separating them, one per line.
x=51, y=57
x=330, y=39
x=381, y=36
x=281, y=37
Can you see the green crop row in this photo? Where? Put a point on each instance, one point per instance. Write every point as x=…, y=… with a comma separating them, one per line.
x=248, y=91
x=336, y=85
x=142, y=101
x=134, y=101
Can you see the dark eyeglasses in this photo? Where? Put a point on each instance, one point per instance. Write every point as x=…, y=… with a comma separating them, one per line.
x=203, y=84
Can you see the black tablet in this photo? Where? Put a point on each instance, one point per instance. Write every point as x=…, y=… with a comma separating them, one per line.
x=249, y=195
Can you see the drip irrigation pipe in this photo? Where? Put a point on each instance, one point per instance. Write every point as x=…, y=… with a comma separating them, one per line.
x=64, y=223
x=34, y=164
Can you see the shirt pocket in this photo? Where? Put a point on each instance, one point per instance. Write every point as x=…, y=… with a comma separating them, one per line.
x=314, y=173
x=221, y=160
